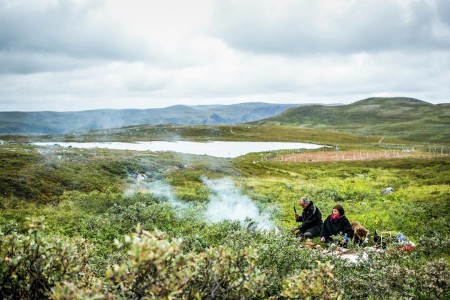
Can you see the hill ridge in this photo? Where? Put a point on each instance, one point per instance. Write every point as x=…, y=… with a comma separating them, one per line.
x=401, y=117
x=391, y=100
x=53, y=122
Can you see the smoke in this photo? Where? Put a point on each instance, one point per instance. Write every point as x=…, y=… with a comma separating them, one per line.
x=163, y=191
x=158, y=189
x=226, y=202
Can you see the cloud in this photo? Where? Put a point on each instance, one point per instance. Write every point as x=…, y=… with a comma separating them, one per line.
x=108, y=85
x=84, y=54
x=443, y=12
x=39, y=35
x=33, y=62
x=237, y=77
x=292, y=27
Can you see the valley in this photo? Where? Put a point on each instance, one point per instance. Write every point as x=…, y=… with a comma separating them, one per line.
x=172, y=221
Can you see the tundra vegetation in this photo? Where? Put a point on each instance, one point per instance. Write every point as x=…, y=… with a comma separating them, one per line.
x=86, y=224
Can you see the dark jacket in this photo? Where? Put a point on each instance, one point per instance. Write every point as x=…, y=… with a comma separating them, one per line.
x=340, y=226
x=311, y=217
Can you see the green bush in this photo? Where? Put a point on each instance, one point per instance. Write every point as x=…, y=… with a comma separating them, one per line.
x=393, y=273
x=245, y=265
x=158, y=269
x=32, y=264
x=154, y=268
x=319, y=283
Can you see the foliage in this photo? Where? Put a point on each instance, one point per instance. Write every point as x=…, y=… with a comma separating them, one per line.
x=227, y=273
x=32, y=264
x=154, y=266
x=89, y=199
x=395, y=274
x=318, y=283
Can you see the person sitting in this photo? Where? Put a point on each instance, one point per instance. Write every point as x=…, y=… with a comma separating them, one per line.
x=311, y=219
x=336, y=223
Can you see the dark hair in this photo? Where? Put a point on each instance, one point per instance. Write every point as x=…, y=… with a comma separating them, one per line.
x=340, y=209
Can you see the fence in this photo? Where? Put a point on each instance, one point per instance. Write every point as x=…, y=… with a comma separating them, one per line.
x=330, y=154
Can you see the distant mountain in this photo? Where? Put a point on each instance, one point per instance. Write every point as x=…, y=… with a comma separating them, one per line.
x=48, y=122
x=405, y=118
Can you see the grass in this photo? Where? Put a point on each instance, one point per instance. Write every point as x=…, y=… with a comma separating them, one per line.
x=421, y=187
x=84, y=193
x=42, y=179
x=401, y=119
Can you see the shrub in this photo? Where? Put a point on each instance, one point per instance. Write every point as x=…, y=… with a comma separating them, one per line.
x=319, y=283
x=31, y=265
x=394, y=274
x=158, y=268
x=225, y=273
x=251, y=265
x=154, y=268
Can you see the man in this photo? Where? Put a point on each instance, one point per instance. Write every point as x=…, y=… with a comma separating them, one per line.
x=311, y=219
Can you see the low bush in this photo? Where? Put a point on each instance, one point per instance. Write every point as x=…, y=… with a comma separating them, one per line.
x=32, y=264
x=247, y=265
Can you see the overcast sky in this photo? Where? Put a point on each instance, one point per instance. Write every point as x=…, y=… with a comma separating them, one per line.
x=86, y=54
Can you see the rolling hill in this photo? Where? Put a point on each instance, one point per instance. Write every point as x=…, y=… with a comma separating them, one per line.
x=403, y=118
x=48, y=122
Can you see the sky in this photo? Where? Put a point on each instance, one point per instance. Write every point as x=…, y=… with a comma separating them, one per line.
x=72, y=55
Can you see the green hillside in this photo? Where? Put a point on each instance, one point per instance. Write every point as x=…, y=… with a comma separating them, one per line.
x=122, y=224
x=403, y=118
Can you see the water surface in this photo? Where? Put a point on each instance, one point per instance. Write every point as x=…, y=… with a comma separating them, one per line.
x=216, y=148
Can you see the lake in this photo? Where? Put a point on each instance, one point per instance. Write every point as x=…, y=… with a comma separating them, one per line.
x=215, y=148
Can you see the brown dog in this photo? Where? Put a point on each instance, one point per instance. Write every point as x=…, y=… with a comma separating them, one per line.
x=360, y=232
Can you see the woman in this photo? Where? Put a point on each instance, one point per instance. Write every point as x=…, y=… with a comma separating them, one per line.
x=336, y=223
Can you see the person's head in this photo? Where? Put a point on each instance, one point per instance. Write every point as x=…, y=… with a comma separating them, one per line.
x=338, y=210
x=304, y=202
